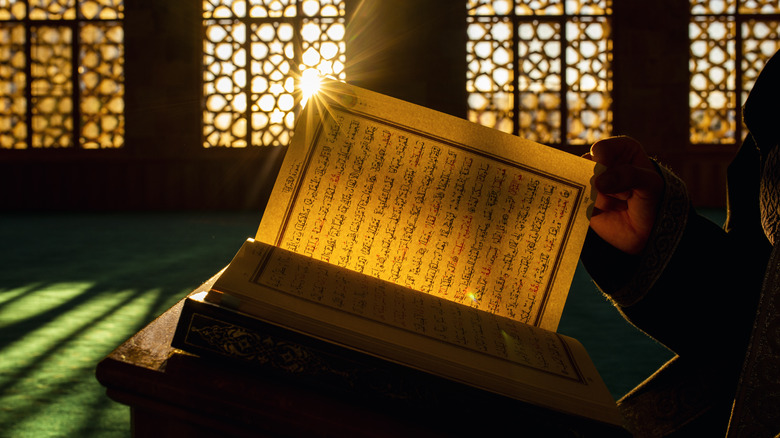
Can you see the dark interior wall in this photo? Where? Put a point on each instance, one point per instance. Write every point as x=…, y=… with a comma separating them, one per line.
x=650, y=96
x=162, y=165
x=410, y=49
x=416, y=51
x=650, y=73
x=163, y=52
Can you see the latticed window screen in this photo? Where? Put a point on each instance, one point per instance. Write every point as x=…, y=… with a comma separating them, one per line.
x=61, y=74
x=731, y=40
x=258, y=56
x=541, y=68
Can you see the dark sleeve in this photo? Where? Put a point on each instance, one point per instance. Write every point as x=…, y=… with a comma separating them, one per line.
x=694, y=288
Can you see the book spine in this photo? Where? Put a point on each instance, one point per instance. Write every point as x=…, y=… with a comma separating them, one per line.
x=213, y=331
x=210, y=330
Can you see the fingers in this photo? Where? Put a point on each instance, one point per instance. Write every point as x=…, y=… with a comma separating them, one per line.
x=628, y=168
x=615, y=150
x=622, y=178
x=609, y=203
x=629, y=190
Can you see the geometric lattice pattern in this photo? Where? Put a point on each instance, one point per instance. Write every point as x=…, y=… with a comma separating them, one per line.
x=63, y=87
x=256, y=54
x=101, y=59
x=13, y=83
x=713, y=94
x=52, y=86
x=730, y=43
x=541, y=69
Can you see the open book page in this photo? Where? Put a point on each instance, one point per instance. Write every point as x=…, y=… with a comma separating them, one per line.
x=433, y=203
x=415, y=329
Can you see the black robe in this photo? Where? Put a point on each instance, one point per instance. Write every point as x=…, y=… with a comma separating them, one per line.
x=696, y=289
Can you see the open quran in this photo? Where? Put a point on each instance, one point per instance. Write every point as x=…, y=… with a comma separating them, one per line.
x=400, y=236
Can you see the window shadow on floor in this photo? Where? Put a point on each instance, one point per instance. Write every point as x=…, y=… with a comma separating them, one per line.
x=74, y=287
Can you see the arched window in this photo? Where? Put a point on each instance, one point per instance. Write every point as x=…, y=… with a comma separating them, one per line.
x=541, y=69
x=731, y=40
x=61, y=74
x=257, y=57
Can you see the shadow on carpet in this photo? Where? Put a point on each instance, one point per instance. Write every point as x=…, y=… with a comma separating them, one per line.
x=75, y=286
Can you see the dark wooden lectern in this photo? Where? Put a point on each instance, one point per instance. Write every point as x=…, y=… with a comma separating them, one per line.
x=174, y=393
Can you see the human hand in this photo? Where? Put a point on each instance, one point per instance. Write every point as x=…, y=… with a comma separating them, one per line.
x=629, y=191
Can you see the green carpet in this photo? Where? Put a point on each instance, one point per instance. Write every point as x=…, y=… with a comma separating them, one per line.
x=74, y=286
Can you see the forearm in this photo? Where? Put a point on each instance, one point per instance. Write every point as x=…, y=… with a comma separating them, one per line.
x=693, y=286
x=626, y=278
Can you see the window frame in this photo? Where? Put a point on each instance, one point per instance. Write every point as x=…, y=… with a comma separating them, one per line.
x=296, y=62
x=563, y=19
x=74, y=25
x=737, y=17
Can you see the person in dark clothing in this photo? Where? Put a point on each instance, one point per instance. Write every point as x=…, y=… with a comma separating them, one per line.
x=705, y=292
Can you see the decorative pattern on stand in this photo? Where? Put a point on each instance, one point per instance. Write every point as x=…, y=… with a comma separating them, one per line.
x=313, y=365
x=243, y=344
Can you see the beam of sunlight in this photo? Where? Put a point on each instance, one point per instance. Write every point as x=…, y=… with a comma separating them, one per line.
x=310, y=84
x=67, y=328
x=323, y=92
x=67, y=302
x=9, y=295
x=37, y=298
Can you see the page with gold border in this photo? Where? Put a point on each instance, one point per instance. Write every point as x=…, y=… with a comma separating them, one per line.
x=414, y=329
x=433, y=203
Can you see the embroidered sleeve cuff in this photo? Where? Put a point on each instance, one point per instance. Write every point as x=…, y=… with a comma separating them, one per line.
x=667, y=232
